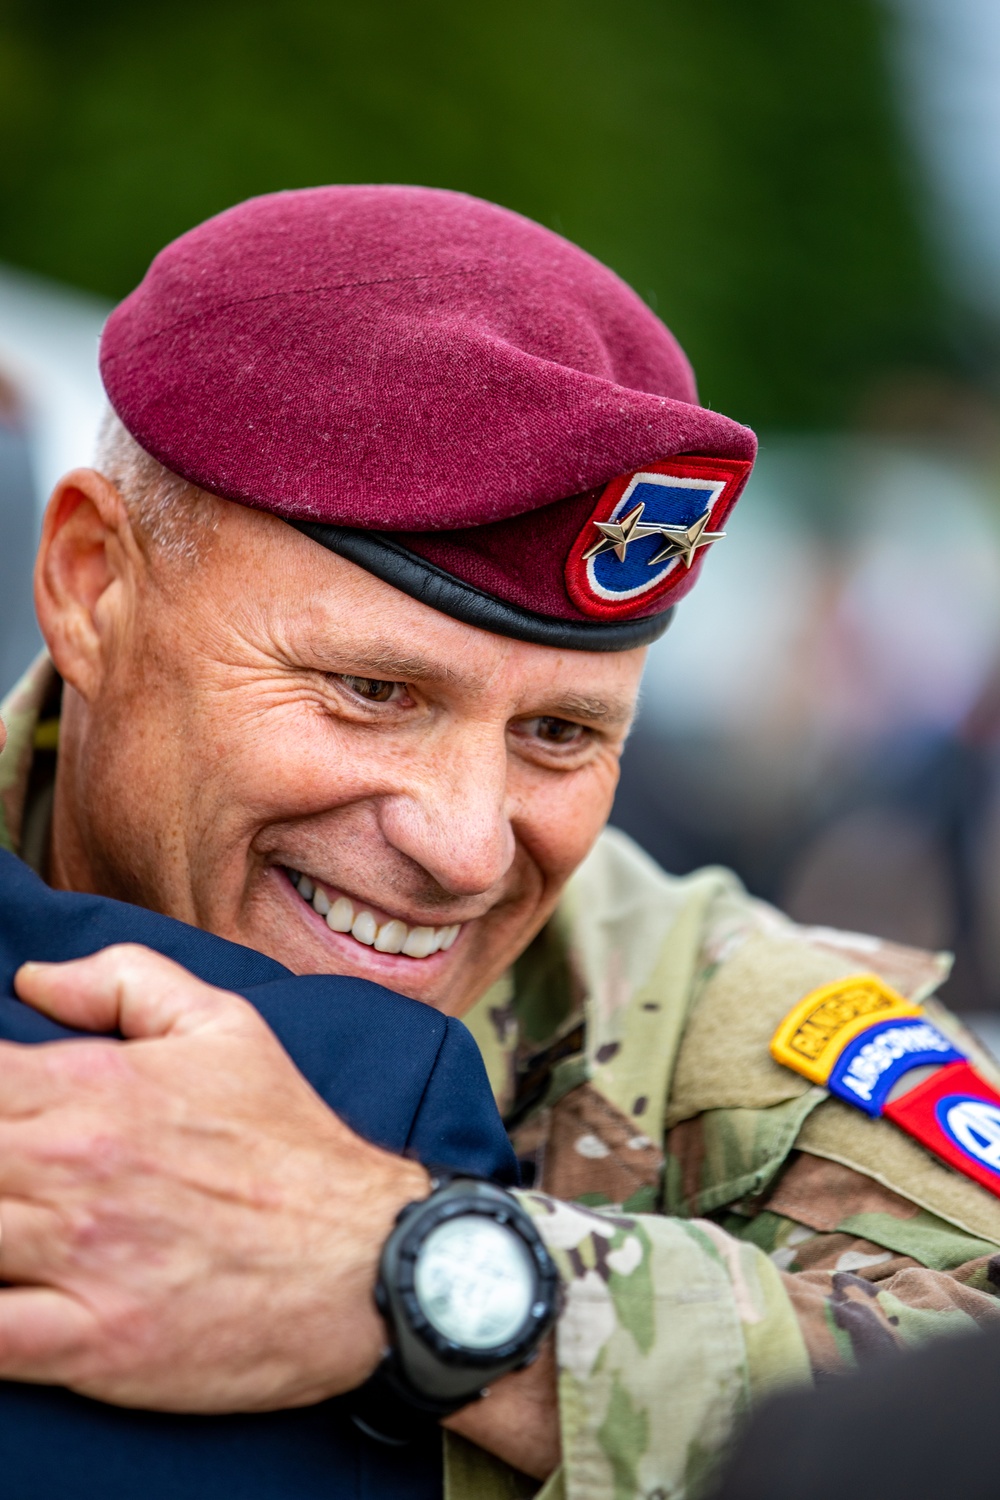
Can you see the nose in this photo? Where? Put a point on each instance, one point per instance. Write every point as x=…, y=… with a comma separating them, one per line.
x=452, y=818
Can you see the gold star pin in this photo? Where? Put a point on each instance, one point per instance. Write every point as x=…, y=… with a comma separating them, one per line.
x=616, y=535
x=682, y=541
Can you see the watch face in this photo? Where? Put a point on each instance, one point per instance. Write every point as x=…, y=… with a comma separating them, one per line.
x=475, y=1281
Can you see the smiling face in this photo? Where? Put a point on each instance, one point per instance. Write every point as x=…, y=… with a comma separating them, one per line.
x=278, y=747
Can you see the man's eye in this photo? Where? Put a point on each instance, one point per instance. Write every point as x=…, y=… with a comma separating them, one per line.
x=557, y=731
x=371, y=688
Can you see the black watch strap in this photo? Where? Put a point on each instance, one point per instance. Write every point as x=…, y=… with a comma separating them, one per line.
x=388, y=1409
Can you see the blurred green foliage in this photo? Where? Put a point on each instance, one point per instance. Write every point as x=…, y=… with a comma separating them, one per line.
x=738, y=161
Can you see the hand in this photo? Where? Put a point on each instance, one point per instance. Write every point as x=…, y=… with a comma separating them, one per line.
x=185, y=1224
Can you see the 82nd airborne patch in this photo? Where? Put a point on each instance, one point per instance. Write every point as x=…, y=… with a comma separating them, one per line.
x=876, y=1050
x=649, y=533
x=956, y=1114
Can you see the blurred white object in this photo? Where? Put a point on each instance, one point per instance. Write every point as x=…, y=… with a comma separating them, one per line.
x=716, y=666
x=949, y=63
x=48, y=346
x=921, y=606
x=48, y=366
x=873, y=613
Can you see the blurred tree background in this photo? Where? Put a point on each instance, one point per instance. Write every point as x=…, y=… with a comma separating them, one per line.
x=741, y=164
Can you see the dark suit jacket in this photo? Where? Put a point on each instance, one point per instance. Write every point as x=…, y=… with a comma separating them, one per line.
x=398, y=1072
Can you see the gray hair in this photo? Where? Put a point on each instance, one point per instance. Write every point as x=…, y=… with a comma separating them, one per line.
x=173, y=516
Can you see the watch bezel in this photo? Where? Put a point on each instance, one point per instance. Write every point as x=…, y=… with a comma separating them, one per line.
x=428, y=1215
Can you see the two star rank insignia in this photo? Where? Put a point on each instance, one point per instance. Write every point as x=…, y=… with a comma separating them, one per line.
x=679, y=541
x=653, y=527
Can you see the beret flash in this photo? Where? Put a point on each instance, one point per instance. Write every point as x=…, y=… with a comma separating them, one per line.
x=451, y=396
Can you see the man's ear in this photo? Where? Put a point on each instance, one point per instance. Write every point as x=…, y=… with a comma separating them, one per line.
x=87, y=550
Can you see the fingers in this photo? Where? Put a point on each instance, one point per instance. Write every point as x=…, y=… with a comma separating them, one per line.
x=30, y=1244
x=24, y=1088
x=43, y=1335
x=29, y=1084
x=129, y=989
x=59, y=1152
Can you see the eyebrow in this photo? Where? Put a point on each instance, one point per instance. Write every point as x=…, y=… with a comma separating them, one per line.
x=599, y=710
x=385, y=662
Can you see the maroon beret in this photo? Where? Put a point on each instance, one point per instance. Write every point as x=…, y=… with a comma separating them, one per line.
x=448, y=394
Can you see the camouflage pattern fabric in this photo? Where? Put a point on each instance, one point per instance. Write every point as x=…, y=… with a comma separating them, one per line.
x=21, y=712
x=743, y=1228
x=721, y=1225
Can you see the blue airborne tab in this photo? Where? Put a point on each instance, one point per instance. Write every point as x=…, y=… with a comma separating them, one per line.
x=871, y=1063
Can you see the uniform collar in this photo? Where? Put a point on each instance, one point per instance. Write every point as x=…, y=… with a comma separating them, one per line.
x=27, y=763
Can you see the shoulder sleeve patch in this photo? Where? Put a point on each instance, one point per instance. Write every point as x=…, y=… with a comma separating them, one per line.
x=865, y=1043
x=815, y=1032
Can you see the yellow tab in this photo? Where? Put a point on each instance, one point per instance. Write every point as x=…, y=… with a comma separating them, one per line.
x=813, y=1035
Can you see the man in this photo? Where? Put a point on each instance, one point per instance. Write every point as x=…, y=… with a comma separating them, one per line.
x=349, y=623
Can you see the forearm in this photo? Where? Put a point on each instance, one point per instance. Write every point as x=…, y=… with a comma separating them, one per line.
x=670, y=1329
x=519, y=1420
x=865, y=1270
x=883, y=1301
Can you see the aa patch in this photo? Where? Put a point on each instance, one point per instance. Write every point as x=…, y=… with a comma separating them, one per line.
x=649, y=532
x=955, y=1114
x=871, y=1065
x=815, y=1032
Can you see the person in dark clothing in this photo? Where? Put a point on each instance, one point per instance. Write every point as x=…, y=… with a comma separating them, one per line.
x=909, y=1426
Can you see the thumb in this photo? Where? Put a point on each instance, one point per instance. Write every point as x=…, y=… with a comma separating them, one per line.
x=129, y=989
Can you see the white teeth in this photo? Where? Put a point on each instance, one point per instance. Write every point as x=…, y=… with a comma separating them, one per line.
x=393, y=936
x=340, y=917
x=421, y=942
x=364, y=928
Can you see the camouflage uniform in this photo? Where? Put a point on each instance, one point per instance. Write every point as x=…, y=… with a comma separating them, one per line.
x=722, y=1226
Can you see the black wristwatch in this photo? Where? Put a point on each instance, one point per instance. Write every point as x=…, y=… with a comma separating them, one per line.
x=468, y=1292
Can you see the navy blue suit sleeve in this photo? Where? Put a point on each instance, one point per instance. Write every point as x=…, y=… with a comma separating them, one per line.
x=453, y=1127
x=397, y=1071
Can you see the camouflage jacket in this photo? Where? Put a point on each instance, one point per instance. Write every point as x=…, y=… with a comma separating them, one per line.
x=722, y=1226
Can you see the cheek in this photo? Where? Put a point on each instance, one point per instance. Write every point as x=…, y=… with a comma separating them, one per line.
x=286, y=760
x=559, y=817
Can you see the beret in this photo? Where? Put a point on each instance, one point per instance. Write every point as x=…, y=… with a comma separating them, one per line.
x=441, y=390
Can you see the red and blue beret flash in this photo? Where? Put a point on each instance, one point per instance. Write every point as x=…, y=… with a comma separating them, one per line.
x=444, y=392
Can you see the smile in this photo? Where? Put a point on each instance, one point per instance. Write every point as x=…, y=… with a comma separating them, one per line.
x=390, y=936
